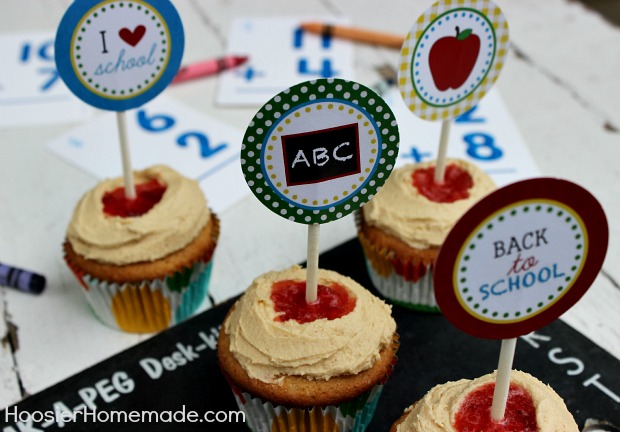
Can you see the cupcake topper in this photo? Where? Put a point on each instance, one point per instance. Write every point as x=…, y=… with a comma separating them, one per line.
x=119, y=54
x=449, y=60
x=516, y=261
x=318, y=151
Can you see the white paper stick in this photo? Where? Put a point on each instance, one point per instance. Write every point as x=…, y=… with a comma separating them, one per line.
x=440, y=166
x=502, y=382
x=130, y=189
x=312, y=274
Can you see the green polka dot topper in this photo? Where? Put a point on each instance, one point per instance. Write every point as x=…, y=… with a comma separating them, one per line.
x=520, y=258
x=319, y=150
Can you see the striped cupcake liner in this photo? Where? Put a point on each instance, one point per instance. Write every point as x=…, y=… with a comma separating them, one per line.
x=150, y=305
x=419, y=295
x=352, y=416
x=401, y=282
x=263, y=416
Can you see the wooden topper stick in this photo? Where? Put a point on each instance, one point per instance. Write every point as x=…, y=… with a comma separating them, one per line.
x=502, y=382
x=312, y=274
x=130, y=189
x=440, y=167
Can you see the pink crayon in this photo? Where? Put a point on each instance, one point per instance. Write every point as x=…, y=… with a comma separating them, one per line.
x=208, y=67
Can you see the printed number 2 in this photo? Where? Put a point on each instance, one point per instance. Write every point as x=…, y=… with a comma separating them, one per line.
x=203, y=143
x=162, y=122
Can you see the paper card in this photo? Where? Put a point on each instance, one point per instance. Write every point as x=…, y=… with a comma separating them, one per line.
x=119, y=54
x=322, y=148
x=451, y=57
x=163, y=131
x=486, y=135
x=31, y=91
x=520, y=257
x=281, y=55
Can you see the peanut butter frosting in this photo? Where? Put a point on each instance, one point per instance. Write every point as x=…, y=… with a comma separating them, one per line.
x=167, y=227
x=269, y=349
x=436, y=411
x=400, y=210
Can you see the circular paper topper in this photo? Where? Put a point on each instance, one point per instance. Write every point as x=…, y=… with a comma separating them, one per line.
x=119, y=54
x=319, y=150
x=520, y=258
x=451, y=57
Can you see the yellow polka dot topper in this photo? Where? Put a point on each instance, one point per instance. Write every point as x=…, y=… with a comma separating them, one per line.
x=451, y=57
x=319, y=150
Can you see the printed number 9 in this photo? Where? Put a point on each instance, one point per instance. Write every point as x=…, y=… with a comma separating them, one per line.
x=482, y=146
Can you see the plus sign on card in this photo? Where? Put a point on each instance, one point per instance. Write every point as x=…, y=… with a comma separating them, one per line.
x=280, y=55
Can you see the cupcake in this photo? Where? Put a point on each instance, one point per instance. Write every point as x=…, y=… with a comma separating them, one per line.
x=144, y=264
x=465, y=405
x=402, y=228
x=299, y=366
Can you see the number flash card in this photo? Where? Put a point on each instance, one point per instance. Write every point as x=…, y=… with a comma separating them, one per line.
x=31, y=91
x=485, y=135
x=164, y=130
x=281, y=55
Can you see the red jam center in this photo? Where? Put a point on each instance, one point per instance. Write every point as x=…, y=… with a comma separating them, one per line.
x=474, y=414
x=454, y=187
x=147, y=195
x=289, y=299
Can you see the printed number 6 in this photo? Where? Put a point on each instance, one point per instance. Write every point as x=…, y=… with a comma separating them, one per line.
x=156, y=123
x=203, y=143
x=482, y=146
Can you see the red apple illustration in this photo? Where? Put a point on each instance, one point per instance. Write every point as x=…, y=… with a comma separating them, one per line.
x=452, y=58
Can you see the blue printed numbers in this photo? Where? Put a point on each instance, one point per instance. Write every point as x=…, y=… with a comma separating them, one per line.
x=482, y=146
x=324, y=69
x=158, y=123
x=154, y=123
x=203, y=143
x=479, y=145
x=31, y=54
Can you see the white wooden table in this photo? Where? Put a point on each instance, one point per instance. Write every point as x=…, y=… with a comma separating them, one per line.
x=560, y=84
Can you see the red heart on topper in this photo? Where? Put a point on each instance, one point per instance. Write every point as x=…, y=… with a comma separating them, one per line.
x=132, y=37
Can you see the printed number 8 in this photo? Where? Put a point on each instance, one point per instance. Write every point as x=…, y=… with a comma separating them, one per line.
x=482, y=146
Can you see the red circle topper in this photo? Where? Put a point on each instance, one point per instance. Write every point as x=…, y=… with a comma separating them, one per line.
x=520, y=257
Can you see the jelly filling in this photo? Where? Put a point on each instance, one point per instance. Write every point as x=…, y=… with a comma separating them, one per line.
x=474, y=414
x=454, y=187
x=289, y=299
x=115, y=203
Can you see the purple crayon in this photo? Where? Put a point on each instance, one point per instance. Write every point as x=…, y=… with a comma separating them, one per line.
x=22, y=280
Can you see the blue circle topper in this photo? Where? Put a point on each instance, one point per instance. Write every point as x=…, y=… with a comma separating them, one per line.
x=119, y=54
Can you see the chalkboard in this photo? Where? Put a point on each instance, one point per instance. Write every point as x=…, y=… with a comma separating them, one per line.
x=176, y=371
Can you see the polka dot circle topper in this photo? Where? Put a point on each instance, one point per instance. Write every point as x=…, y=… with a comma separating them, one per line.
x=119, y=54
x=520, y=258
x=319, y=150
x=451, y=57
